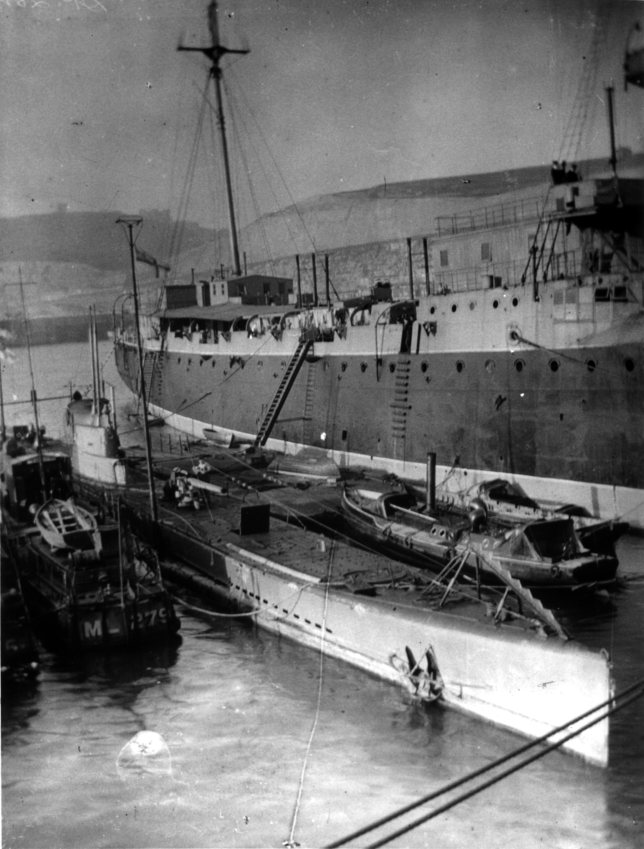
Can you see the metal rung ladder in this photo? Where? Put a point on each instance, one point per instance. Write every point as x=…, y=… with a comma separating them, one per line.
x=287, y=381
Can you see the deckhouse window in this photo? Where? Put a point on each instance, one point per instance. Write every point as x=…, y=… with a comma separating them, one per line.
x=486, y=252
x=444, y=259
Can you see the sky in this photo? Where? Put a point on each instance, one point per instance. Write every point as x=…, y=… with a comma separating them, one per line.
x=99, y=111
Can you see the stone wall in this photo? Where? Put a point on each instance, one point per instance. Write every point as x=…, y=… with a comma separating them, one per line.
x=354, y=269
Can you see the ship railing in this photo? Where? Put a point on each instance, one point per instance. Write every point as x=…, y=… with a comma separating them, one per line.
x=499, y=215
x=501, y=274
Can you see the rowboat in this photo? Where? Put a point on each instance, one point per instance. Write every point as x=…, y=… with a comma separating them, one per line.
x=64, y=524
x=541, y=552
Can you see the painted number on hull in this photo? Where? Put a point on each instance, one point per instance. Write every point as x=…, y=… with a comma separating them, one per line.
x=148, y=618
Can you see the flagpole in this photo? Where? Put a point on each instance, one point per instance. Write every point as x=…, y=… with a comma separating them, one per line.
x=129, y=223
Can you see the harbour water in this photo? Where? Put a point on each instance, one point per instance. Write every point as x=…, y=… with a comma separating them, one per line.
x=272, y=743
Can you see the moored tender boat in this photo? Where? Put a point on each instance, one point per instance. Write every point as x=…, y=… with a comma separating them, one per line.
x=540, y=552
x=96, y=587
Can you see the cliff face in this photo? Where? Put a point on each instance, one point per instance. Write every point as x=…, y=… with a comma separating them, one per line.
x=403, y=210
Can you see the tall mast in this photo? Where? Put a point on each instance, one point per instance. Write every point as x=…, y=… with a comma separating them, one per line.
x=611, y=127
x=214, y=53
x=129, y=223
x=34, y=398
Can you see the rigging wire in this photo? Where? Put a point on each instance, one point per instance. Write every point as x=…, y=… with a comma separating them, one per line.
x=294, y=203
x=609, y=707
x=582, y=112
x=246, y=169
x=176, y=239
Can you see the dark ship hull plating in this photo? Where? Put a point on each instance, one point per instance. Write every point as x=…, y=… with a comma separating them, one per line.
x=565, y=419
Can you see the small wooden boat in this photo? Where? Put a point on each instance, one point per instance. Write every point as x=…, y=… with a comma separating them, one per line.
x=98, y=586
x=64, y=524
x=508, y=501
x=541, y=552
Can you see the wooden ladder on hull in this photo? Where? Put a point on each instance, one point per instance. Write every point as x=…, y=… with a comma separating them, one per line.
x=149, y=369
x=287, y=381
x=400, y=406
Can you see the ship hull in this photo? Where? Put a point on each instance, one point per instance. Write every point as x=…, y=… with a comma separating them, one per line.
x=525, y=685
x=117, y=622
x=568, y=434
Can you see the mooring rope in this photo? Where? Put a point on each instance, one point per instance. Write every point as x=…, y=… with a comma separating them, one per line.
x=630, y=694
x=216, y=614
x=291, y=842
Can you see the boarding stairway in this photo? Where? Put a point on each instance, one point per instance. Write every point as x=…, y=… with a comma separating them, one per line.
x=286, y=383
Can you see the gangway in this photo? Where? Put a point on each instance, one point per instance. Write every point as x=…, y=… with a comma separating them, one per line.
x=287, y=381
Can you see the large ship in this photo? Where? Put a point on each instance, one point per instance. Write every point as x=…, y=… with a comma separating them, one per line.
x=519, y=354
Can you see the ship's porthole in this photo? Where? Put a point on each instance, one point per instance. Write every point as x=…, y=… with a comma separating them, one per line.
x=363, y=366
x=554, y=365
x=519, y=365
x=343, y=366
x=392, y=367
x=515, y=302
x=490, y=366
x=472, y=305
x=460, y=365
x=213, y=363
x=629, y=364
x=454, y=307
x=432, y=310
x=178, y=360
x=591, y=365
x=189, y=362
x=495, y=304
x=424, y=367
